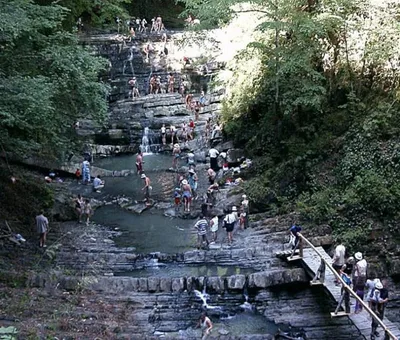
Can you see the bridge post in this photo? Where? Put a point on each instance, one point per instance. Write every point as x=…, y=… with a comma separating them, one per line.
x=388, y=333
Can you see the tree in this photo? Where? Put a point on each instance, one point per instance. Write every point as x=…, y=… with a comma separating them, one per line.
x=47, y=80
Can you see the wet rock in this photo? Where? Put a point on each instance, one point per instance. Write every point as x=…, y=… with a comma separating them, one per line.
x=236, y=281
x=216, y=284
x=268, y=279
x=153, y=284
x=143, y=285
x=200, y=156
x=137, y=208
x=165, y=284
x=178, y=285
x=223, y=331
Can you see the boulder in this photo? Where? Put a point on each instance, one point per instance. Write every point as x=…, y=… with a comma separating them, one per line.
x=235, y=155
x=137, y=208
x=216, y=284
x=178, y=285
x=236, y=281
x=153, y=284
x=165, y=284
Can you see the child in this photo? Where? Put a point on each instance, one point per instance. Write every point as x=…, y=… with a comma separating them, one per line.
x=78, y=174
x=177, y=198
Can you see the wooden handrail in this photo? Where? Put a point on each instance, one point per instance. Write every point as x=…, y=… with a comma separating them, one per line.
x=369, y=310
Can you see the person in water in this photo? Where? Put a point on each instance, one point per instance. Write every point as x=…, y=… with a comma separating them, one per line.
x=205, y=324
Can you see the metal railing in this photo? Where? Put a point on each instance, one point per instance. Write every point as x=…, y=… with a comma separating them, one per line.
x=388, y=332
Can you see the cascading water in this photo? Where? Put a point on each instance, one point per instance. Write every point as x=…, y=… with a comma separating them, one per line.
x=145, y=146
x=204, y=297
x=148, y=146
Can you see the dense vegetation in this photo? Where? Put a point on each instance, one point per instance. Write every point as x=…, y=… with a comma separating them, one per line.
x=315, y=100
x=47, y=80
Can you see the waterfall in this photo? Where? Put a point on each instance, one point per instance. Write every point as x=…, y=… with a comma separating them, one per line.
x=129, y=60
x=145, y=146
x=148, y=146
x=203, y=296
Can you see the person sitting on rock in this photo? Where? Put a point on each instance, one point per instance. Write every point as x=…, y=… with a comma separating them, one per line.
x=98, y=184
x=211, y=175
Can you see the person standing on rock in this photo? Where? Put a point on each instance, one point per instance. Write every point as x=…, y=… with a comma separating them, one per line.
x=213, y=153
x=229, y=224
x=187, y=195
x=176, y=154
x=172, y=128
x=214, y=224
x=139, y=162
x=42, y=226
x=191, y=162
x=88, y=211
x=79, y=205
x=163, y=134
x=192, y=180
x=171, y=83
x=147, y=188
x=244, y=216
x=85, y=172
x=338, y=258
x=201, y=226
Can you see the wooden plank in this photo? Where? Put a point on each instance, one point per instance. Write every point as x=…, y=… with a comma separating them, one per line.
x=362, y=321
x=294, y=258
x=316, y=283
x=338, y=314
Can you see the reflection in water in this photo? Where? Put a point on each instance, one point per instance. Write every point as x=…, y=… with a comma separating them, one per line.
x=148, y=232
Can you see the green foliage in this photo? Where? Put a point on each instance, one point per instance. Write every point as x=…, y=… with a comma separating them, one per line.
x=97, y=13
x=314, y=97
x=48, y=80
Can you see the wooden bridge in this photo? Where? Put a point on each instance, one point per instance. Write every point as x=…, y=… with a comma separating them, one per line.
x=312, y=258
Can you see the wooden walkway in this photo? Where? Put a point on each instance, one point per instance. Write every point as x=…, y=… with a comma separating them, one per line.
x=362, y=321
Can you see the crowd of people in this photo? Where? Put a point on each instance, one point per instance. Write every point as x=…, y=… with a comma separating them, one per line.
x=353, y=272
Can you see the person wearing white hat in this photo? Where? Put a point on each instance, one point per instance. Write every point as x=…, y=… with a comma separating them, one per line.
x=378, y=299
x=147, y=188
x=360, y=277
x=187, y=195
x=229, y=223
